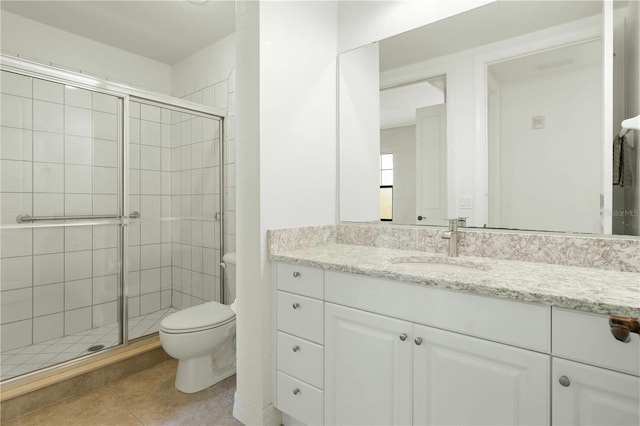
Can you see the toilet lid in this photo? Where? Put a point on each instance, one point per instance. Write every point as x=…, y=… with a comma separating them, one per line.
x=199, y=317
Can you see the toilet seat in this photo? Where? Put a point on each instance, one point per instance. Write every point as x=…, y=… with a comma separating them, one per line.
x=198, y=318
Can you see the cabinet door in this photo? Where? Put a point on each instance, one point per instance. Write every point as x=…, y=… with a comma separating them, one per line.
x=367, y=368
x=461, y=380
x=586, y=395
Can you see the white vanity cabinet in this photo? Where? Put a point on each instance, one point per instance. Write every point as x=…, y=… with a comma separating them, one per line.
x=595, y=377
x=385, y=371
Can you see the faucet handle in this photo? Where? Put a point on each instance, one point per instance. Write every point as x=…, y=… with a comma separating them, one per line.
x=462, y=221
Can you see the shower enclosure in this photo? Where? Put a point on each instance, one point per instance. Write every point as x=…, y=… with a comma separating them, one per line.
x=110, y=210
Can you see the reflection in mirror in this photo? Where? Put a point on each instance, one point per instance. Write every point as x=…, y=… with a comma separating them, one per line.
x=413, y=128
x=544, y=140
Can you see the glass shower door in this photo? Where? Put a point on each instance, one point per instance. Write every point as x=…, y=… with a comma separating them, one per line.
x=61, y=222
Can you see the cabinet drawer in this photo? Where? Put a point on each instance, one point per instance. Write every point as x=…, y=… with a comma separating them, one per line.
x=300, y=316
x=301, y=280
x=299, y=400
x=300, y=358
x=587, y=337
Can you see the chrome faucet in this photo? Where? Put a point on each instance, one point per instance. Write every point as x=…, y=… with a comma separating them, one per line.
x=452, y=235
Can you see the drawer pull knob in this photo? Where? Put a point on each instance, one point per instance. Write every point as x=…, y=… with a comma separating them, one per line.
x=564, y=381
x=418, y=341
x=296, y=274
x=403, y=336
x=296, y=348
x=296, y=305
x=296, y=391
x=621, y=327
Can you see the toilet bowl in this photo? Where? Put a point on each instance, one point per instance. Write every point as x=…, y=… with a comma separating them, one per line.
x=202, y=339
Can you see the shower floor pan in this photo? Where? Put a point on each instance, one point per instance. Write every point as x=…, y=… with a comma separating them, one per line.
x=27, y=359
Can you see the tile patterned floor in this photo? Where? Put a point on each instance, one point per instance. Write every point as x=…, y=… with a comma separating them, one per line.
x=145, y=398
x=30, y=358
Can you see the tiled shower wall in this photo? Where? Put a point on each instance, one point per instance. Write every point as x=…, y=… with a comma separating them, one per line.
x=58, y=157
x=187, y=290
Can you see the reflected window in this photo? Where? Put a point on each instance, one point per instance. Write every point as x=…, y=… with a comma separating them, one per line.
x=386, y=187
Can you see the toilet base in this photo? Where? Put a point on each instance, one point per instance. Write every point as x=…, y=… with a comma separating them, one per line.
x=196, y=374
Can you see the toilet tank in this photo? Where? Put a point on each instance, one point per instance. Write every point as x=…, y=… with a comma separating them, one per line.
x=229, y=260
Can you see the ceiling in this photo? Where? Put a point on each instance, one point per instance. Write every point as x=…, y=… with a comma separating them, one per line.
x=486, y=24
x=165, y=30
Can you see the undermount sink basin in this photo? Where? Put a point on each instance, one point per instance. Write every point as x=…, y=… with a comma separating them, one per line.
x=437, y=264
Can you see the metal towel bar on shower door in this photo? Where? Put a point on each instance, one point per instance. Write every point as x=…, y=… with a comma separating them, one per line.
x=24, y=218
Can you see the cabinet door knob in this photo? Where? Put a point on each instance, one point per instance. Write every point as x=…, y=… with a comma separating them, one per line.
x=564, y=381
x=296, y=348
x=296, y=274
x=296, y=305
x=418, y=341
x=296, y=391
x=403, y=336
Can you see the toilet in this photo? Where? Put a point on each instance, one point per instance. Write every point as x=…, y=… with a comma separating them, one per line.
x=202, y=339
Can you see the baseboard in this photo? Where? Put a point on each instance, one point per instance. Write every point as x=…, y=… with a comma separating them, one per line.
x=249, y=413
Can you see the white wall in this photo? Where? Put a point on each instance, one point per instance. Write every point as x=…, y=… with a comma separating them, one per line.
x=553, y=181
x=363, y=22
x=32, y=40
x=286, y=164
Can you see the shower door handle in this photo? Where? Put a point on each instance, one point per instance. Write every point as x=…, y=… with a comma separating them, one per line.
x=25, y=218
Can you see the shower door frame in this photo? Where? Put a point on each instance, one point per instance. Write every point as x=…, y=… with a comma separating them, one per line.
x=125, y=94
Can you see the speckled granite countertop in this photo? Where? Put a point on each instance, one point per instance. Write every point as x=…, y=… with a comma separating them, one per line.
x=584, y=289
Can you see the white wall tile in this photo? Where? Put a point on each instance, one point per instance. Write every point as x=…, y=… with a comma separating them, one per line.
x=133, y=283
x=149, y=280
x=48, y=327
x=105, y=236
x=16, y=305
x=196, y=155
x=105, y=204
x=77, y=320
x=15, y=176
x=14, y=204
x=16, y=335
x=105, y=125
x=165, y=183
x=165, y=115
x=196, y=181
x=16, y=84
x=78, y=121
x=77, y=204
x=150, y=113
x=105, y=180
x=165, y=162
x=48, y=204
x=134, y=258
x=48, y=91
x=165, y=254
x=197, y=285
x=165, y=299
x=150, y=158
x=48, y=299
x=16, y=273
x=78, y=179
x=165, y=135
x=134, y=109
x=105, y=289
x=48, y=117
x=149, y=303
x=48, y=147
x=150, y=232
x=16, y=144
x=150, y=133
x=105, y=262
x=134, y=156
x=48, y=177
x=78, y=150
x=134, y=307
x=16, y=112
x=104, y=314
x=77, y=294
x=196, y=129
x=185, y=157
x=134, y=182
x=77, y=97
x=150, y=256
x=150, y=182
x=221, y=93
x=134, y=130
x=105, y=153
x=77, y=265
x=150, y=206
x=105, y=103
x=15, y=242
x=165, y=278
x=185, y=178
x=48, y=240
x=134, y=233
x=48, y=269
